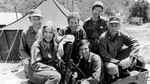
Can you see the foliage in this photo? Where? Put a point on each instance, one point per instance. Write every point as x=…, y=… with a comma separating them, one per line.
x=140, y=9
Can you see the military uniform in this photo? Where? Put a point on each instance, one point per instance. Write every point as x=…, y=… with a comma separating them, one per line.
x=43, y=71
x=28, y=37
x=79, y=35
x=92, y=68
x=113, y=52
x=93, y=30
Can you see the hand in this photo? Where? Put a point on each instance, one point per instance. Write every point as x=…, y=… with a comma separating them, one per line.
x=112, y=69
x=75, y=75
x=125, y=63
x=85, y=82
x=26, y=61
x=115, y=61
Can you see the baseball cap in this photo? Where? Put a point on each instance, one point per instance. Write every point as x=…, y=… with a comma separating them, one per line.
x=98, y=3
x=114, y=19
x=35, y=12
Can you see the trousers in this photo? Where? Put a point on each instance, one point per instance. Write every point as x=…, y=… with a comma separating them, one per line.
x=43, y=74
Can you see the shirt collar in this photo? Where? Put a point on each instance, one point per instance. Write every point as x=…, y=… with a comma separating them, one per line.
x=117, y=35
x=92, y=19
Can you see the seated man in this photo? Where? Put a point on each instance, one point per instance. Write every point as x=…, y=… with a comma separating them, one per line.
x=90, y=64
x=28, y=37
x=111, y=48
x=74, y=29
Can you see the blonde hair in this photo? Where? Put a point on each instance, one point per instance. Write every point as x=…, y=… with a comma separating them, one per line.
x=51, y=25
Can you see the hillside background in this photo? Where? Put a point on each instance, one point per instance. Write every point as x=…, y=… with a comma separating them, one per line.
x=81, y=6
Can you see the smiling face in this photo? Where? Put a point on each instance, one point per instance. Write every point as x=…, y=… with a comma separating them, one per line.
x=113, y=28
x=73, y=23
x=48, y=34
x=84, y=51
x=97, y=11
x=36, y=21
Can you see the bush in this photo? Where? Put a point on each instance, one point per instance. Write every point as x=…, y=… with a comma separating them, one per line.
x=140, y=9
x=109, y=12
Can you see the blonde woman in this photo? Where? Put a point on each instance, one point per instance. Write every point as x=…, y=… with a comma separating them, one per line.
x=43, y=56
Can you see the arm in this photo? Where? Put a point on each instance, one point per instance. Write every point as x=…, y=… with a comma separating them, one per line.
x=97, y=65
x=132, y=43
x=23, y=47
x=35, y=54
x=84, y=34
x=65, y=39
x=104, y=53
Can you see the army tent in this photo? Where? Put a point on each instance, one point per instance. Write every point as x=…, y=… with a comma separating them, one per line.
x=10, y=35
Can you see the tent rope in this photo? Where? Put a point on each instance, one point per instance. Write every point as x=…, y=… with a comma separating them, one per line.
x=59, y=8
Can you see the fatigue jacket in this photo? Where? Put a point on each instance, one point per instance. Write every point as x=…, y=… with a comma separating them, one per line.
x=47, y=54
x=79, y=35
x=92, y=68
x=94, y=29
x=110, y=48
x=28, y=37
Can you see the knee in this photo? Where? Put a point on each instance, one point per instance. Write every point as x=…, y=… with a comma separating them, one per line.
x=57, y=76
x=85, y=82
x=112, y=68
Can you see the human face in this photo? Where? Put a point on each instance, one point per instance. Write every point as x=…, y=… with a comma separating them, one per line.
x=113, y=28
x=48, y=34
x=97, y=11
x=84, y=51
x=73, y=23
x=36, y=21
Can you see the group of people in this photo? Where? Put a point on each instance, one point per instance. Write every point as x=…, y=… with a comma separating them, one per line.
x=99, y=50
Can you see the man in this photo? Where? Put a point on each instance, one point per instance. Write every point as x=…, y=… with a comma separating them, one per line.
x=94, y=26
x=74, y=29
x=28, y=36
x=90, y=64
x=112, y=48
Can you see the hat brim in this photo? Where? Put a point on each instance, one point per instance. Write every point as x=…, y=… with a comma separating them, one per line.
x=114, y=22
x=35, y=15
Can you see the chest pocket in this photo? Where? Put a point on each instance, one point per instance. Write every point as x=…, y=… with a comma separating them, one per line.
x=30, y=42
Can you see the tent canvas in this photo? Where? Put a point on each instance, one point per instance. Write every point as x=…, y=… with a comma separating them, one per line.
x=10, y=35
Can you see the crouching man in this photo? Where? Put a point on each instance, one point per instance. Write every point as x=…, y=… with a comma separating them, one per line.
x=90, y=64
x=116, y=58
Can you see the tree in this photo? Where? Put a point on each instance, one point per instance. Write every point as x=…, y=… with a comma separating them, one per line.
x=140, y=9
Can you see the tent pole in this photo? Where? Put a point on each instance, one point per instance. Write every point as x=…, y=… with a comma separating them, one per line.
x=0, y=37
x=12, y=46
x=16, y=13
x=1, y=33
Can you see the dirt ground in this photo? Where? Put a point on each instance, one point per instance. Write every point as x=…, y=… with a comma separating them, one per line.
x=12, y=73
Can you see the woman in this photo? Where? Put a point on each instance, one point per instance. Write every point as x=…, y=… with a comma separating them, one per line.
x=43, y=56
